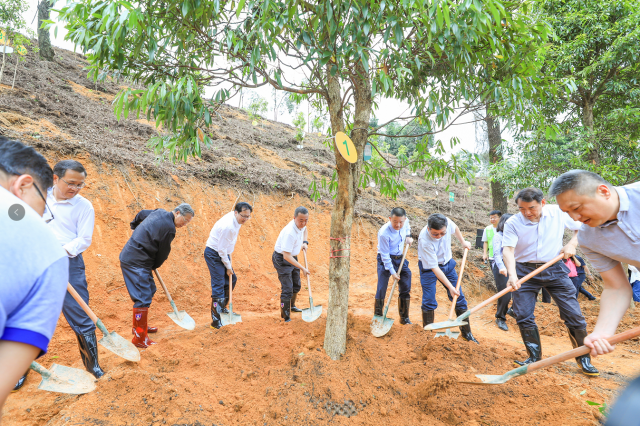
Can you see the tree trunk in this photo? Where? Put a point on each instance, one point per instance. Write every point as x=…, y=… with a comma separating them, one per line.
x=44, y=42
x=587, y=122
x=335, y=338
x=494, y=134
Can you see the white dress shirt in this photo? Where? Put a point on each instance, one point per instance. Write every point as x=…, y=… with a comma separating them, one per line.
x=391, y=243
x=538, y=242
x=223, y=237
x=73, y=222
x=290, y=239
x=432, y=252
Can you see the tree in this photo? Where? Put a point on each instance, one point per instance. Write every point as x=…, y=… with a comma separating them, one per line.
x=11, y=21
x=44, y=40
x=351, y=55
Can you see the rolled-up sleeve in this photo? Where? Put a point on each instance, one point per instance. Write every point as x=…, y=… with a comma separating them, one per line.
x=570, y=223
x=84, y=232
x=383, y=247
x=509, y=235
x=484, y=235
x=429, y=256
x=497, y=251
x=599, y=261
x=226, y=239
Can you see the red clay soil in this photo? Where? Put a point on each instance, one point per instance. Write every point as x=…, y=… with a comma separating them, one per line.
x=263, y=371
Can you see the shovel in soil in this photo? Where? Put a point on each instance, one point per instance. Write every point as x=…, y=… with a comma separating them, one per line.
x=231, y=317
x=179, y=317
x=460, y=320
x=529, y=368
x=111, y=341
x=314, y=312
x=381, y=324
x=455, y=334
x=64, y=379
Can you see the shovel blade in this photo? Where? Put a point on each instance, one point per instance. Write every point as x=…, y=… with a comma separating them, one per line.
x=498, y=380
x=230, y=319
x=380, y=325
x=120, y=346
x=445, y=324
x=450, y=334
x=183, y=320
x=68, y=380
x=310, y=315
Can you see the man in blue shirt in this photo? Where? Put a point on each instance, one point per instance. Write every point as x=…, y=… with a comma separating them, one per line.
x=34, y=269
x=391, y=240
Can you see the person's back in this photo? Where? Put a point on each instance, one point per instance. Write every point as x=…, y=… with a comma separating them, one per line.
x=150, y=243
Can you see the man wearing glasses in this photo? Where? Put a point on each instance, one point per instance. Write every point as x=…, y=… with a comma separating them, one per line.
x=217, y=254
x=34, y=268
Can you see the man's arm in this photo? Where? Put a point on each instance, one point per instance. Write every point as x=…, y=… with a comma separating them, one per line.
x=85, y=234
x=465, y=244
x=510, y=262
x=485, y=245
x=164, y=249
x=15, y=358
x=289, y=258
x=225, y=238
x=570, y=249
x=305, y=238
x=383, y=246
x=444, y=280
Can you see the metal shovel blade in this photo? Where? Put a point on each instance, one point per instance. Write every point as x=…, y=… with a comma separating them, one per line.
x=445, y=324
x=487, y=379
x=450, y=334
x=381, y=325
x=312, y=314
x=182, y=319
x=120, y=346
x=230, y=318
x=66, y=380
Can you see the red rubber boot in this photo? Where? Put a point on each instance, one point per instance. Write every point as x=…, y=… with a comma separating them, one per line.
x=140, y=337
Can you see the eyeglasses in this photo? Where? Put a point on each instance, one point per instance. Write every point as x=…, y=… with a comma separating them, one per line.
x=244, y=217
x=45, y=203
x=74, y=186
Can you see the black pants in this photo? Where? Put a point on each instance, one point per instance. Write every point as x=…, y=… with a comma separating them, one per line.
x=501, y=284
x=578, y=281
x=383, y=278
x=73, y=312
x=546, y=297
x=140, y=284
x=218, y=273
x=288, y=275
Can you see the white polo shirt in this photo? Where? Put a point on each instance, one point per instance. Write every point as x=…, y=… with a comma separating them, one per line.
x=223, y=237
x=73, y=222
x=432, y=252
x=290, y=239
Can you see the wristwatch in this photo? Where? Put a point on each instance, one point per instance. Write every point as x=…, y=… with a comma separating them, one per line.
x=305, y=242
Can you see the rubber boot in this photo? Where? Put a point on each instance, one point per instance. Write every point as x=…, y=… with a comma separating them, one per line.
x=88, y=344
x=21, y=382
x=285, y=309
x=427, y=318
x=465, y=330
x=403, y=310
x=216, y=310
x=140, y=337
x=502, y=324
x=149, y=329
x=577, y=339
x=293, y=303
x=377, y=309
x=531, y=339
x=223, y=305
x=511, y=313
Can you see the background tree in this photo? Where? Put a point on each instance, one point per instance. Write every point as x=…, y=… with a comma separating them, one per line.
x=44, y=40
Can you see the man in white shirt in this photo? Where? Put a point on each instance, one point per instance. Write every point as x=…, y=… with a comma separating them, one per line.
x=530, y=239
x=217, y=254
x=291, y=240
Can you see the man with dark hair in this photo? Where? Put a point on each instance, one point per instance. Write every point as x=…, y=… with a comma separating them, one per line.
x=291, y=240
x=610, y=236
x=34, y=269
x=73, y=226
x=487, y=236
x=436, y=264
x=147, y=249
x=217, y=254
x=391, y=240
x=530, y=239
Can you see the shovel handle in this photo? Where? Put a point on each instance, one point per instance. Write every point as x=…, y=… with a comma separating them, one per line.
x=72, y=291
x=386, y=308
x=452, y=312
x=164, y=287
x=582, y=350
x=306, y=265
x=40, y=369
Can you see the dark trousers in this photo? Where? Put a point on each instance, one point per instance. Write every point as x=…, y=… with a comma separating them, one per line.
x=218, y=272
x=73, y=312
x=556, y=280
x=577, y=282
x=288, y=275
x=140, y=284
x=501, y=284
x=546, y=297
x=383, y=278
x=428, y=282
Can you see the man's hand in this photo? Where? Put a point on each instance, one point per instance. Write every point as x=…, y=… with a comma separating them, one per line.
x=396, y=276
x=230, y=273
x=306, y=271
x=453, y=290
x=512, y=282
x=599, y=344
x=409, y=240
x=304, y=246
x=467, y=245
x=484, y=257
x=568, y=250
x=503, y=272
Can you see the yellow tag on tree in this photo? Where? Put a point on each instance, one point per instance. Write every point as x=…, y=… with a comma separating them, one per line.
x=21, y=50
x=3, y=37
x=346, y=147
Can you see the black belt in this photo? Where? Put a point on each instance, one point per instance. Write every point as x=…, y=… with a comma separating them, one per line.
x=532, y=264
x=395, y=257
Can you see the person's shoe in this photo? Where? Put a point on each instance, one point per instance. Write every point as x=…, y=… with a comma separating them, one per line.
x=223, y=305
x=21, y=382
x=140, y=332
x=403, y=310
x=531, y=339
x=427, y=318
x=285, y=309
x=377, y=309
x=152, y=329
x=293, y=303
x=502, y=324
x=88, y=344
x=216, y=310
x=577, y=339
x=511, y=313
x=465, y=330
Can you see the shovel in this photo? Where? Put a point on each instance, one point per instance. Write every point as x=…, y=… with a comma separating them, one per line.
x=381, y=324
x=111, y=341
x=179, y=317
x=64, y=379
x=314, y=312
x=455, y=334
x=231, y=317
x=460, y=320
x=529, y=368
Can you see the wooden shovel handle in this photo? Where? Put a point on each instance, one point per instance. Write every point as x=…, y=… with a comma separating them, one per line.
x=306, y=265
x=582, y=350
x=520, y=281
x=393, y=287
x=452, y=312
x=163, y=286
x=72, y=291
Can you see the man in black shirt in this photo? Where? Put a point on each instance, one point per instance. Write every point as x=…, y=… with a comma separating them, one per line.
x=147, y=249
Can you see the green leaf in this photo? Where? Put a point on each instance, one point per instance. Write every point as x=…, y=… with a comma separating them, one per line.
x=240, y=7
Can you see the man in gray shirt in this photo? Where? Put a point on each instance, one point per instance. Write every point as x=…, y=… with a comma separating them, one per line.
x=610, y=234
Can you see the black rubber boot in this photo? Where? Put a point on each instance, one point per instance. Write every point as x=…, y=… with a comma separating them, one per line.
x=293, y=303
x=531, y=339
x=511, y=313
x=403, y=310
x=427, y=318
x=21, y=382
x=216, y=310
x=377, y=310
x=89, y=353
x=577, y=339
x=465, y=330
x=223, y=305
x=502, y=324
x=285, y=309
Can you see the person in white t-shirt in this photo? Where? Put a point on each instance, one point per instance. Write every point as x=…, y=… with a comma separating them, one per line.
x=291, y=240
